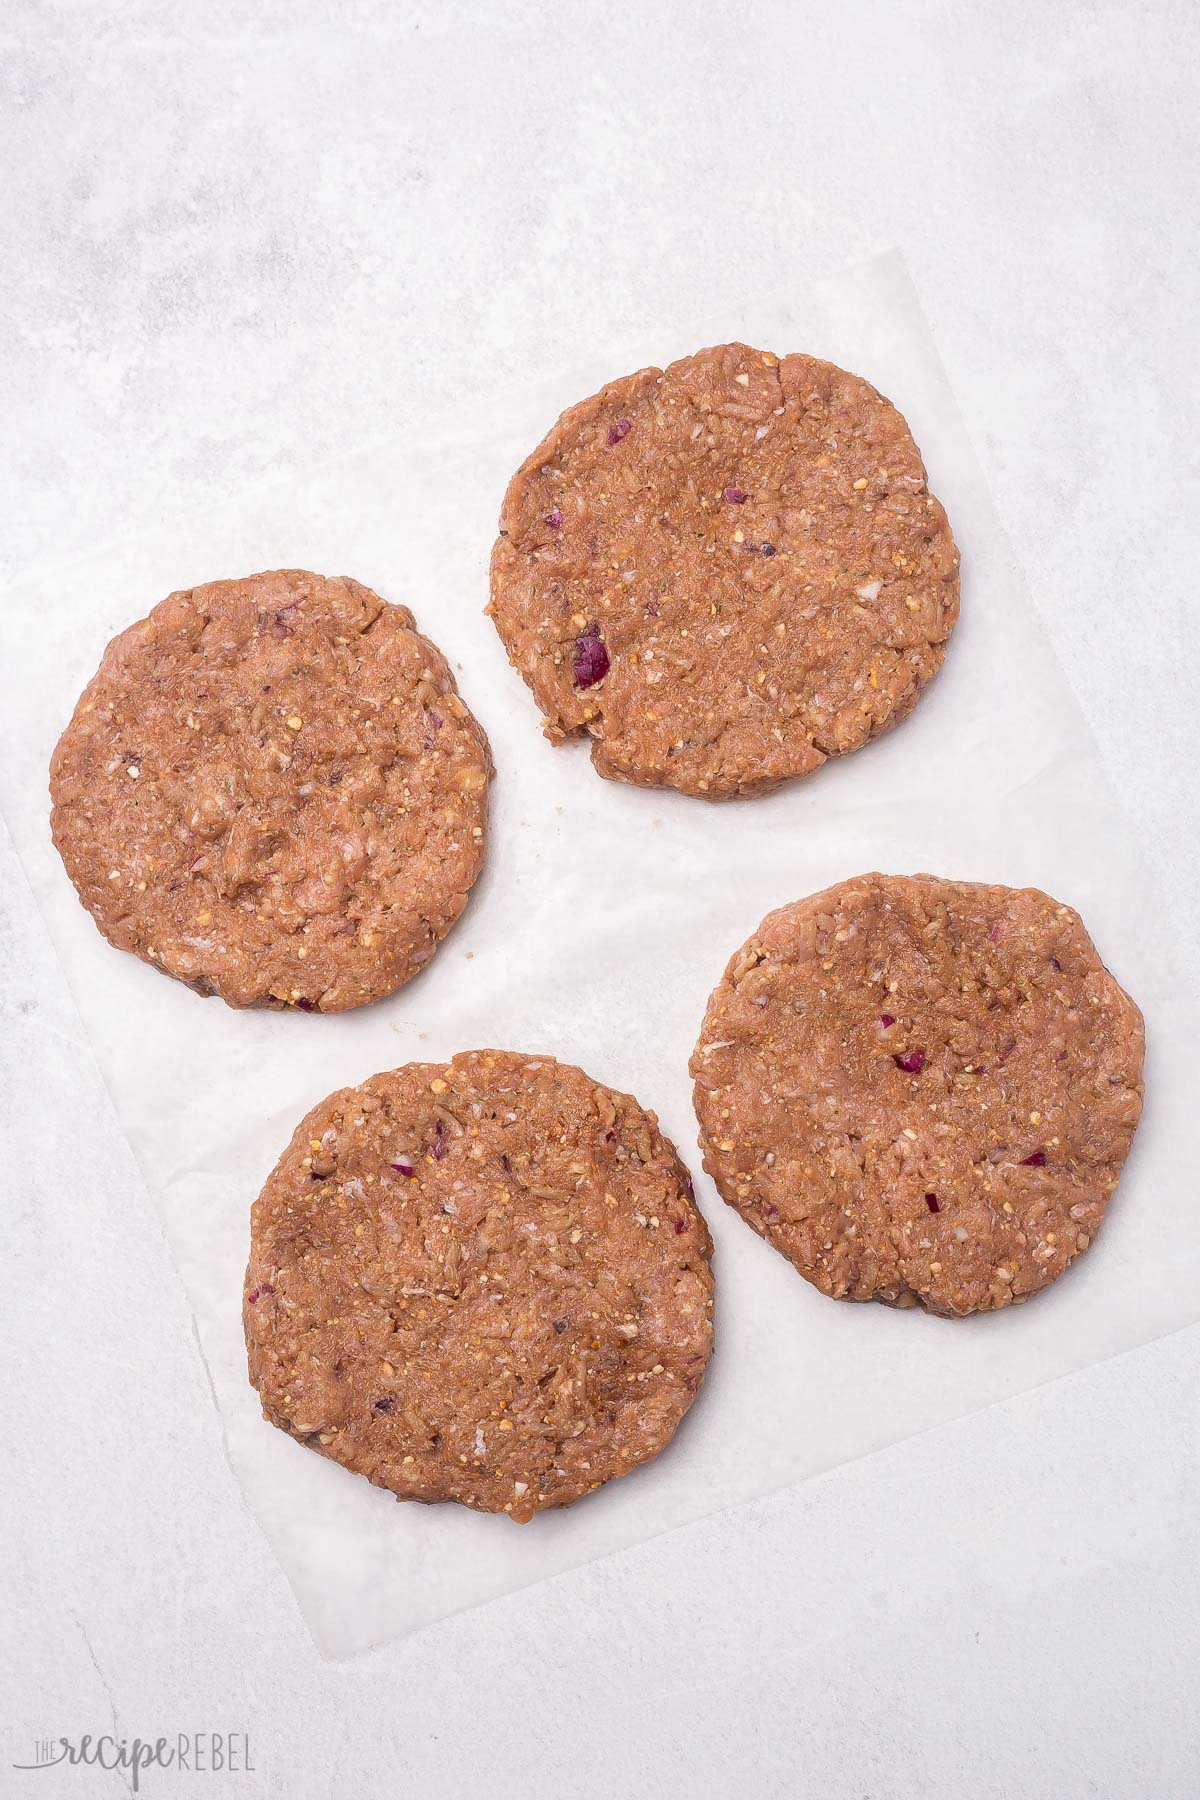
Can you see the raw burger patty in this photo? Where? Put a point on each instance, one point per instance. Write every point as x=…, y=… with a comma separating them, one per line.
x=920, y=1091
x=725, y=572
x=272, y=791
x=484, y=1281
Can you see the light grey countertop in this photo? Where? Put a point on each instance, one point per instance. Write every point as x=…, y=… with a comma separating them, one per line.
x=242, y=239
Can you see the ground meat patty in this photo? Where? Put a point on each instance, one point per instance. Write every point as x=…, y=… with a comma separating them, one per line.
x=485, y=1281
x=725, y=572
x=272, y=791
x=920, y=1091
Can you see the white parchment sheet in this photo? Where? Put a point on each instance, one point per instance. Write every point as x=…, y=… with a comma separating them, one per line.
x=604, y=918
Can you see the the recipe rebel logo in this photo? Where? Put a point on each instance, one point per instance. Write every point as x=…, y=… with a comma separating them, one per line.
x=194, y=1752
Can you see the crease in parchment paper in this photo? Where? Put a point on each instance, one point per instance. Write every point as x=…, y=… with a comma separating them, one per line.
x=604, y=919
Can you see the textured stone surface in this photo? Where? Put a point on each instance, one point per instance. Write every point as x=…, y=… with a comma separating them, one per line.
x=249, y=239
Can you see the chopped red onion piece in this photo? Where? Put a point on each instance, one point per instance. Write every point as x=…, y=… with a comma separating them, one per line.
x=305, y=1005
x=932, y=1202
x=590, y=663
x=736, y=496
x=437, y=1147
x=912, y=1062
x=618, y=431
x=1036, y=1161
x=994, y=933
x=887, y=1021
x=680, y=1225
x=767, y=549
x=386, y=1403
x=554, y=519
x=404, y=1168
x=653, y=607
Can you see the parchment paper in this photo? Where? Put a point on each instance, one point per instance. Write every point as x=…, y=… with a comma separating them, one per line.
x=603, y=920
